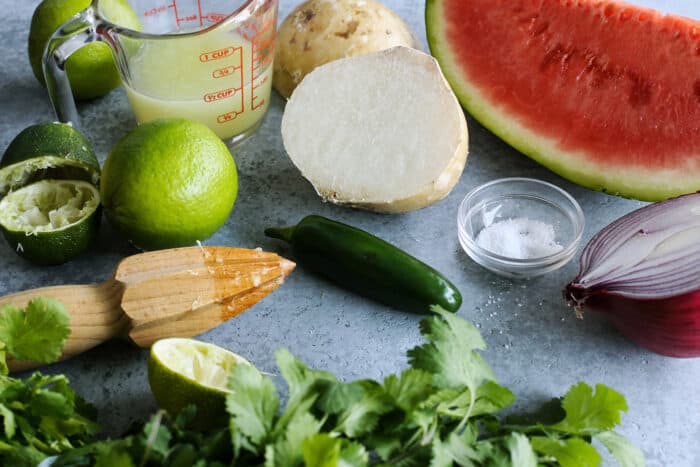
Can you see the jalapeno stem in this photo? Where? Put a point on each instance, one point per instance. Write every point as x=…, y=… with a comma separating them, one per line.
x=281, y=233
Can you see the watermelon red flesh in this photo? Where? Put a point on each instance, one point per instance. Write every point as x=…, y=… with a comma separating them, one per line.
x=604, y=93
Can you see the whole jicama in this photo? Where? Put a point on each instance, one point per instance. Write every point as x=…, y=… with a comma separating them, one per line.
x=319, y=31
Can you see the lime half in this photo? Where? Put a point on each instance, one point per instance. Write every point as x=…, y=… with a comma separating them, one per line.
x=187, y=371
x=47, y=150
x=51, y=221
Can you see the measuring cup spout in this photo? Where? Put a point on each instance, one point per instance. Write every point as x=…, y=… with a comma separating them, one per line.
x=75, y=33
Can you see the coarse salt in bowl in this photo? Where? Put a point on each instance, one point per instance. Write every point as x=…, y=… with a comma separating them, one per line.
x=520, y=227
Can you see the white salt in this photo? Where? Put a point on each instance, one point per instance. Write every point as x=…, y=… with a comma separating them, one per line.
x=519, y=238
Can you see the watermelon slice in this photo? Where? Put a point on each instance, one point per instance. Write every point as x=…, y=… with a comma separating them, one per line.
x=604, y=93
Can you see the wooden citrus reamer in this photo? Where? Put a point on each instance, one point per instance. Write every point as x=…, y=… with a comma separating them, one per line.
x=179, y=292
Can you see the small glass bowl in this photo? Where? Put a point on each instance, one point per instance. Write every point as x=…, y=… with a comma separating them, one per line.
x=510, y=198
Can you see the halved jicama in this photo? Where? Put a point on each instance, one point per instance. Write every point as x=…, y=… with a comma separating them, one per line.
x=381, y=131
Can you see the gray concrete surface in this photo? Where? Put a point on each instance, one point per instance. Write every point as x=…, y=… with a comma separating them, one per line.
x=535, y=344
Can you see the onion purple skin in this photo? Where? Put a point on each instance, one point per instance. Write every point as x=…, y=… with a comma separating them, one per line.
x=668, y=326
x=643, y=272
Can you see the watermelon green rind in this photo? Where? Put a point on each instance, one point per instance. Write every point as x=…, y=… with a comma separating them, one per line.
x=632, y=182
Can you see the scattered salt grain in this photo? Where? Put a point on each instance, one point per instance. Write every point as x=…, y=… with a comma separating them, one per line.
x=519, y=238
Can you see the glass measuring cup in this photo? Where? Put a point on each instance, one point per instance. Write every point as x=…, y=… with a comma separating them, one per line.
x=206, y=60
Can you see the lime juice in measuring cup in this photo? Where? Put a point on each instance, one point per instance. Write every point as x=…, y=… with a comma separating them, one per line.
x=206, y=60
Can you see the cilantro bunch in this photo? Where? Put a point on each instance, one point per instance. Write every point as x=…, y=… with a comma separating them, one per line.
x=441, y=411
x=40, y=415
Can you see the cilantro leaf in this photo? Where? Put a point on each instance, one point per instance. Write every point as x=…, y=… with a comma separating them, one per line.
x=459, y=448
x=36, y=333
x=287, y=450
x=409, y=389
x=450, y=352
x=322, y=450
x=361, y=417
x=337, y=397
x=8, y=421
x=296, y=374
x=305, y=387
x=491, y=397
x=626, y=454
x=588, y=413
x=113, y=458
x=3, y=359
x=571, y=452
x=353, y=455
x=457, y=402
x=51, y=404
x=252, y=405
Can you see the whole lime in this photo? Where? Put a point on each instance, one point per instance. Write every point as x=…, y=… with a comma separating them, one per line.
x=168, y=183
x=91, y=69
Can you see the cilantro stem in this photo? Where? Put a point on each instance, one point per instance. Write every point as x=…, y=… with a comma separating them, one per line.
x=156, y=421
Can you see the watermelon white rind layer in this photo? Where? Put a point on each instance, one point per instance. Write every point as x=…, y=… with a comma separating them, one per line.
x=650, y=182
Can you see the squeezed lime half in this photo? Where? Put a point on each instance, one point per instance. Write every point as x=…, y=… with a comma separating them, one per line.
x=187, y=371
x=51, y=221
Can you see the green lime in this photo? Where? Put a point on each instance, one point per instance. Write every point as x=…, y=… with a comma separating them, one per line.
x=47, y=150
x=168, y=183
x=51, y=221
x=91, y=70
x=186, y=371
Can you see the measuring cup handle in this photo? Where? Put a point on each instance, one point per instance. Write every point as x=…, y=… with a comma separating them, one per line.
x=72, y=35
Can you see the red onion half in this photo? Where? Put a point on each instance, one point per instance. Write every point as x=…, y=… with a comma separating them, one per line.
x=643, y=271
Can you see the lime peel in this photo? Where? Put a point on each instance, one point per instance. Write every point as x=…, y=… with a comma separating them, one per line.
x=47, y=150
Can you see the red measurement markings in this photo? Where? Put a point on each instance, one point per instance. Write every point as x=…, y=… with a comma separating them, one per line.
x=199, y=8
x=177, y=17
x=188, y=18
x=253, y=29
x=218, y=54
x=262, y=61
x=261, y=83
x=224, y=72
x=214, y=17
x=263, y=49
x=256, y=105
x=154, y=11
x=218, y=95
x=228, y=116
x=264, y=44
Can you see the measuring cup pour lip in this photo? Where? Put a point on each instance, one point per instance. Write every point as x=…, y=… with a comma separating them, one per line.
x=234, y=16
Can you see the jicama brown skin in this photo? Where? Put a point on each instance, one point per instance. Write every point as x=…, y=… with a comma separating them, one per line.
x=320, y=31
